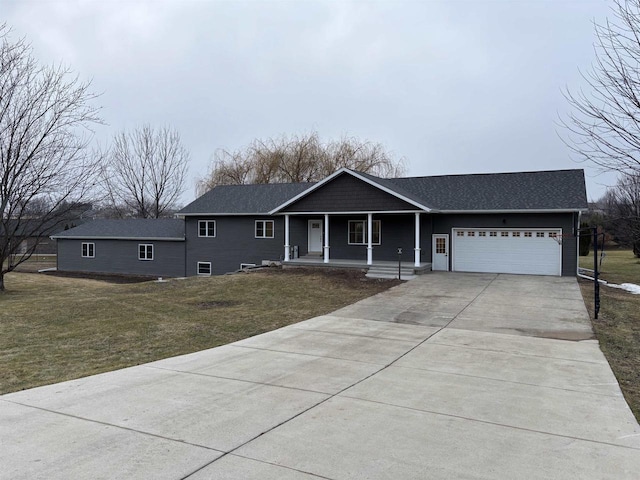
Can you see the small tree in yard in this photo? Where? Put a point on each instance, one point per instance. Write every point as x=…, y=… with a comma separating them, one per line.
x=45, y=113
x=144, y=172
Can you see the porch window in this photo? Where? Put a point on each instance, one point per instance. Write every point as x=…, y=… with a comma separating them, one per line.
x=264, y=228
x=88, y=250
x=206, y=228
x=358, y=232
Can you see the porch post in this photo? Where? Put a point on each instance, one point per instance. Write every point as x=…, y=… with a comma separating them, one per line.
x=369, y=238
x=417, y=247
x=287, y=256
x=326, y=238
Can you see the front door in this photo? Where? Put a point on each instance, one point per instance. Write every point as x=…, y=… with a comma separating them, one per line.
x=440, y=252
x=315, y=236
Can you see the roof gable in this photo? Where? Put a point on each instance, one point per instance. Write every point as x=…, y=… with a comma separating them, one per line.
x=395, y=198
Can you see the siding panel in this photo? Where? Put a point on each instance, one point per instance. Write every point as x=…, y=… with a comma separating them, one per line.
x=121, y=257
x=348, y=194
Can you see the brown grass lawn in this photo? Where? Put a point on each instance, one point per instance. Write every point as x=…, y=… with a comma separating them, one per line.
x=618, y=325
x=59, y=328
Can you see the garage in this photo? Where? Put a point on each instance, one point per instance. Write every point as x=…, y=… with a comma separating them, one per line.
x=532, y=251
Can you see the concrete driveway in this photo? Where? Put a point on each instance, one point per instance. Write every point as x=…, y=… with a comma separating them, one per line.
x=446, y=376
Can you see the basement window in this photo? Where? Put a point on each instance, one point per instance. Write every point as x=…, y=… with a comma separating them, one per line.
x=204, y=268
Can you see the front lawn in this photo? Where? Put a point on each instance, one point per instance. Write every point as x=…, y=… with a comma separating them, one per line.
x=59, y=328
x=618, y=325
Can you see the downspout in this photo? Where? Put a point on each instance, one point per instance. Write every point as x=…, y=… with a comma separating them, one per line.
x=184, y=219
x=577, y=234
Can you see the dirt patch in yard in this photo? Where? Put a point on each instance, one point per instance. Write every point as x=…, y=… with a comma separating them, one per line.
x=103, y=277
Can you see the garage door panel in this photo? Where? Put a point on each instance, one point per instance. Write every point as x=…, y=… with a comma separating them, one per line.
x=507, y=253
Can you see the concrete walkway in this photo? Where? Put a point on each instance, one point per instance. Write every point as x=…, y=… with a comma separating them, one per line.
x=447, y=376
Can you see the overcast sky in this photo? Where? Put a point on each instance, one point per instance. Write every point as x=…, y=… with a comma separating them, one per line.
x=450, y=86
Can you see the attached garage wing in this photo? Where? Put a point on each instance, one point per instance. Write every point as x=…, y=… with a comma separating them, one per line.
x=522, y=251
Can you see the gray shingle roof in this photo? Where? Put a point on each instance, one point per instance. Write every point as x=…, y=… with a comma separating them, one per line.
x=545, y=190
x=134, y=228
x=244, y=199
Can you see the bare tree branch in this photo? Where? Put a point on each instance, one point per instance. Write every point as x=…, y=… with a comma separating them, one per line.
x=145, y=172
x=604, y=126
x=303, y=158
x=45, y=116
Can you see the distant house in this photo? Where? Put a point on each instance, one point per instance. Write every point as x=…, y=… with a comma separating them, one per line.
x=505, y=223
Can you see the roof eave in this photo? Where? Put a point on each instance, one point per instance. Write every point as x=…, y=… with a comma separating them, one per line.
x=99, y=237
x=519, y=210
x=221, y=214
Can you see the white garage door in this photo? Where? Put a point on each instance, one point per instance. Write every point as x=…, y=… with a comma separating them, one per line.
x=527, y=251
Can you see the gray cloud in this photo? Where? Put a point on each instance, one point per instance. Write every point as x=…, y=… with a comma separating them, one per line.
x=452, y=86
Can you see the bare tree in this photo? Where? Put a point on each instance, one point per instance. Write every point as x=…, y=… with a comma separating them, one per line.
x=144, y=172
x=604, y=127
x=45, y=115
x=303, y=158
x=622, y=207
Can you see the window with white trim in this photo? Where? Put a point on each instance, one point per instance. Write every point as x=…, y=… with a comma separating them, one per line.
x=206, y=228
x=204, y=268
x=358, y=232
x=493, y=234
x=527, y=234
x=540, y=234
x=471, y=234
x=482, y=234
x=515, y=234
x=264, y=228
x=88, y=250
x=504, y=234
x=459, y=233
x=145, y=251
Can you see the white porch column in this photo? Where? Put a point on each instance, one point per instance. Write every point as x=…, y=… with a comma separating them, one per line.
x=287, y=247
x=369, y=238
x=326, y=238
x=417, y=247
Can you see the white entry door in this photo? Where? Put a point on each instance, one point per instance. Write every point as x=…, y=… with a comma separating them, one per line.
x=440, y=252
x=314, y=235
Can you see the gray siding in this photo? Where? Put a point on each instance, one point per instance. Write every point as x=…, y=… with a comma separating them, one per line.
x=348, y=194
x=566, y=221
x=121, y=257
x=234, y=243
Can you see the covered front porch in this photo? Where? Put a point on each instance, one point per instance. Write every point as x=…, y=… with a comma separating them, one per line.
x=358, y=240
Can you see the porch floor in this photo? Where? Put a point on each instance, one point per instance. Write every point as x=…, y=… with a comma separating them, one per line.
x=318, y=261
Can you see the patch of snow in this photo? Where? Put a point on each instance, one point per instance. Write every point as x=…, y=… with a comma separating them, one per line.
x=629, y=287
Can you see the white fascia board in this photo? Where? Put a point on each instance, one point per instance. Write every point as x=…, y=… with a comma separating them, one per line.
x=549, y=210
x=97, y=237
x=362, y=212
x=209, y=214
x=358, y=176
